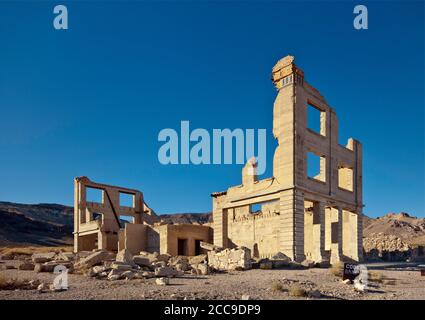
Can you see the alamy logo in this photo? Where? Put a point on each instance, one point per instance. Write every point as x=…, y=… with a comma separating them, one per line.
x=61, y=280
x=61, y=20
x=197, y=147
x=361, y=20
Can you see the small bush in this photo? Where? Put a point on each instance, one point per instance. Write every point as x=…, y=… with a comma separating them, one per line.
x=337, y=269
x=276, y=286
x=296, y=291
x=375, y=276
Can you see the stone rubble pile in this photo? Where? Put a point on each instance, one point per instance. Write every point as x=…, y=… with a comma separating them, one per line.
x=230, y=259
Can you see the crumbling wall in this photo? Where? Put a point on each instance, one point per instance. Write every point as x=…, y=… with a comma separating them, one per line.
x=258, y=232
x=230, y=259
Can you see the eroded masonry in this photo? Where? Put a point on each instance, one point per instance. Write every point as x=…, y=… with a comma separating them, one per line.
x=302, y=214
x=298, y=212
x=115, y=218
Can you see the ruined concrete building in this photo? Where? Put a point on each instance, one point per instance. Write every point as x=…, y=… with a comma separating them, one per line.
x=314, y=216
x=115, y=218
x=305, y=215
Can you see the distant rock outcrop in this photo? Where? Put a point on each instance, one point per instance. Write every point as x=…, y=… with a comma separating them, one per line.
x=394, y=236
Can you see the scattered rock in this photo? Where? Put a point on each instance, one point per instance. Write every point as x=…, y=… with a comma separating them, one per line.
x=43, y=257
x=115, y=275
x=128, y=275
x=314, y=294
x=42, y=287
x=197, y=259
x=65, y=256
x=162, y=281
x=165, y=272
x=142, y=261
x=203, y=268
x=94, y=259
x=28, y=266
x=308, y=263
x=246, y=297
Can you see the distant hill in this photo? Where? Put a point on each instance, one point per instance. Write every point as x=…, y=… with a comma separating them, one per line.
x=35, y=224
x=408, y=228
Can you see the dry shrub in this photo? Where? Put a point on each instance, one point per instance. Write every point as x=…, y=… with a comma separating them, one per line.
x=374, y=276
x=337, y=269
x=296, y=291
x=276, y=286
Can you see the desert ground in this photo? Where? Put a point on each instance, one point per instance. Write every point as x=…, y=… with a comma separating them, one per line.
x=315, y=283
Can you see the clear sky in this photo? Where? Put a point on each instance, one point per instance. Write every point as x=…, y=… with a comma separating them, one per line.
x=91, y=100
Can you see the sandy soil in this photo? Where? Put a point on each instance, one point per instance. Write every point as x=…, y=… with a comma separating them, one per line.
x=258, y=284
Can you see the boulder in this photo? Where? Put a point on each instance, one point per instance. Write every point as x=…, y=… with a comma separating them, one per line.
x=159, y=264
x=164, y=257
x=203, y=268
x=28, y=266
x=197, y=259
x=153, y=257
x=65, y=256
x=209, y=246
x=148, y=274
x=115, y=275
x=183, y=266
x=127, y=275
x=142, y=261
x=125, y=256
x=165, y=272
x=94, y=259
x=308, y=263
x=51, y=265
x=43, y=257
x=162, y=281
x=121, y=266
x=178, y=259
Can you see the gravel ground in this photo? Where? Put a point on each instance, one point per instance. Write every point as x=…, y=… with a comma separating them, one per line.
x=258, y=284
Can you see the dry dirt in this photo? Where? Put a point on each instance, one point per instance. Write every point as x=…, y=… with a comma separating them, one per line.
x=258, y=284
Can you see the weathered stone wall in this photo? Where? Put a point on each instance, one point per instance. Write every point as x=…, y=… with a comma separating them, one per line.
x=258, y=232
x=230, y=259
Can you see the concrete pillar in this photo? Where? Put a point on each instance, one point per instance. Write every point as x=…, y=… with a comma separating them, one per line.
x=336, y=235
x=291, y=236
x=318, y=231
x=352, y=237
x=220, y=224
x=328, y=227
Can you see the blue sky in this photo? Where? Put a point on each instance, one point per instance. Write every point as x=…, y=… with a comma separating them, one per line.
x=91, y=100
